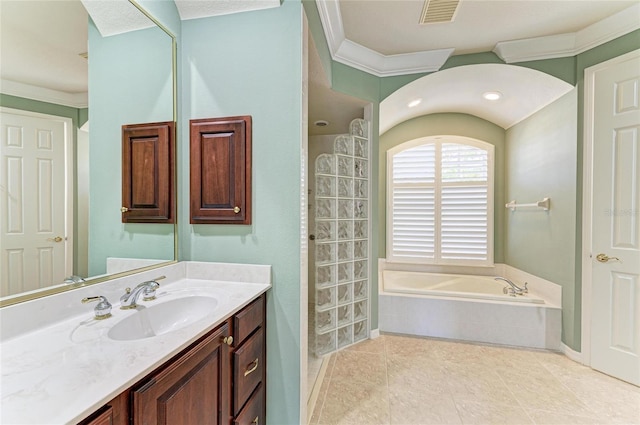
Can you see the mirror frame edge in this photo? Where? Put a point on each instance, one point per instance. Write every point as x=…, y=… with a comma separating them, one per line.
x=57, y=290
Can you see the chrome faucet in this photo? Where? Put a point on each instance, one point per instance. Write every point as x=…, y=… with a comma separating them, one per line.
x=515, y=289
x=147, y=289
x=73, y=279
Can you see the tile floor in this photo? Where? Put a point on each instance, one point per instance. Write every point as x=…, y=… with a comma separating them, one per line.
x=405, y=380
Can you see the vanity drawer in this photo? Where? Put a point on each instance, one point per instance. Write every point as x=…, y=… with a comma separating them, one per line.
x=248, y=369
x=245, y=322
x=253, y=413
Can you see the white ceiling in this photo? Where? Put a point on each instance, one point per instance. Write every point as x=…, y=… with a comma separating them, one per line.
x=384, y=38
x=392, y=27
x=40, y=44
x=380, y=36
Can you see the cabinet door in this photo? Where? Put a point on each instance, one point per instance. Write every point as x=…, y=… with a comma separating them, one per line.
x=116, y=412
x=147, y=173
x=220, y=161
x=104, y=417
x=193, y=389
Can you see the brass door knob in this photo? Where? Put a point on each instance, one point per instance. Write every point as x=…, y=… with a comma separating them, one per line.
x=603, y=258
x=228, y=340
x=56, y=239
x=236, y=210
x=124, y=209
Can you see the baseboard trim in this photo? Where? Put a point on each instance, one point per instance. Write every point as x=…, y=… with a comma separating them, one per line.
x=375, y=333
x=570, y=353
x=313, y=398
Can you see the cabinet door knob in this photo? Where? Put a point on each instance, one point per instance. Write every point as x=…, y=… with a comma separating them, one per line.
x=236, y=210
x=255, y=421
x=124, y=209
x=228, y=340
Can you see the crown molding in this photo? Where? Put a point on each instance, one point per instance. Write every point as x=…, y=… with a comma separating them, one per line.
x=27, y=91
x=564, y=45
x=570, y=44
x=357, y=56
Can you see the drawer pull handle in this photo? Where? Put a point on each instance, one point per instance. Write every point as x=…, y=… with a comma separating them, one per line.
x=253, y=368
x=228, y=340
x=255, y=421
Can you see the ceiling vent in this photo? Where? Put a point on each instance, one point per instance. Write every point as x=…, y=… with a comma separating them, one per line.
x=438, y=11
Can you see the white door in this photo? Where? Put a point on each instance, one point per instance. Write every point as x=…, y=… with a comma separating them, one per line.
x=32, y=202
x=615, y=249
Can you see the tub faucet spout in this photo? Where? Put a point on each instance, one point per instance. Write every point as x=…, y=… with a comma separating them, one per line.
x=515, y=288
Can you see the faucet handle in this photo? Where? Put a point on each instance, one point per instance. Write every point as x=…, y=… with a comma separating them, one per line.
x=102, y=310
x=149, y=292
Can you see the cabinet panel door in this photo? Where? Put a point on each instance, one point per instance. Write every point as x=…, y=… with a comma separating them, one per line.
x=103, y=418
x=220, y=161
x=193, y=389
x=147, y=173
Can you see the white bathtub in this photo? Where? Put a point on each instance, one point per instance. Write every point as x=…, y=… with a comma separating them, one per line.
x=451, y=285
x=464, y=307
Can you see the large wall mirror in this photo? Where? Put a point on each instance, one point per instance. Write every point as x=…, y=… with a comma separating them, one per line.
x=130, y=78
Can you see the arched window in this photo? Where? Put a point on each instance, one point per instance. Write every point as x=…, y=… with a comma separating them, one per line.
x=440, y=201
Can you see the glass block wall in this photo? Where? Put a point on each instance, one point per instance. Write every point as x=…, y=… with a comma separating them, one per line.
x=342, y=241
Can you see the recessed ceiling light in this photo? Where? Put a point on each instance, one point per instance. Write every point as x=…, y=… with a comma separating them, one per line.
x=321, y=123
x=414, y=103
x=492, y=95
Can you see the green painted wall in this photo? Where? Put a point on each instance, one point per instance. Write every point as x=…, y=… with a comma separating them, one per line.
x=449, y=124
x=129, y=83
x=317, y=34
x=251, y=64
x=541, y=162
x=164, y=12
x=78, y=116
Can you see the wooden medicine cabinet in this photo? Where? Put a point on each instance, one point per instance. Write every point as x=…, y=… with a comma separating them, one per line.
x=220, y=161
x=147, y=173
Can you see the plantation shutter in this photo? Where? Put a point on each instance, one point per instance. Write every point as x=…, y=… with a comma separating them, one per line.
x=414, y=203
x=440, y=201
x=463, y=225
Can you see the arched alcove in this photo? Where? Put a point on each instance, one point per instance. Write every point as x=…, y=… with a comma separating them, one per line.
x=524, y=91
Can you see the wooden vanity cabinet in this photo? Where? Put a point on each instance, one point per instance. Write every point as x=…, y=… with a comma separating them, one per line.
x=192, y=389
x=214, y=381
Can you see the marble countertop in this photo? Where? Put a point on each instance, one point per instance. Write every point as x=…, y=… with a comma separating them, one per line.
x=61, y=373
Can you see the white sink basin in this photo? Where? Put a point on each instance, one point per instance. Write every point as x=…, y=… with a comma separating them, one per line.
x=158, y=319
